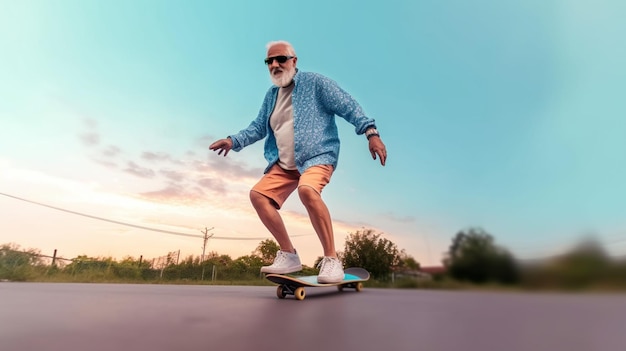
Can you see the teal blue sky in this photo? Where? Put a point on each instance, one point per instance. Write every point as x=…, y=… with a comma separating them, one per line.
x=506, y=115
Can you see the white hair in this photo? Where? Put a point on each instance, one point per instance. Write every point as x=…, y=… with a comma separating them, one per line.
x=290, y=49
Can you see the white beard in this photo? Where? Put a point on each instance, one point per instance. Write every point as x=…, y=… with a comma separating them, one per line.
x=283, y=79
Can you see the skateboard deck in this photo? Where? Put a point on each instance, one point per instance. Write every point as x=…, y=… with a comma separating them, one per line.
x=294, y=285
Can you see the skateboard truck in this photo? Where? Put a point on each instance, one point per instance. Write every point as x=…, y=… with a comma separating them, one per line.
x=283, y=290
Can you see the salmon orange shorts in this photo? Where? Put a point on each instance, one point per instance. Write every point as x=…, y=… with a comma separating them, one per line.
x=278, y=183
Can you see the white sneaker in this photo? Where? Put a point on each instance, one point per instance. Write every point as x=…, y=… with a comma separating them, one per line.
x=331, y=270
x=284, y=262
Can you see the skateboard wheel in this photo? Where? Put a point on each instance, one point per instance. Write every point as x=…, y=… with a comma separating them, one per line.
x=358, y=286
x=340, y=287
x=280, y=292
x=299, y=293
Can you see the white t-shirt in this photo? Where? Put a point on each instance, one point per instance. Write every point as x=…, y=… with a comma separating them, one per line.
x=281, y=122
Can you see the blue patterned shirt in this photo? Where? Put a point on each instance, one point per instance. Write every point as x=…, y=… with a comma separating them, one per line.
x=316, y=100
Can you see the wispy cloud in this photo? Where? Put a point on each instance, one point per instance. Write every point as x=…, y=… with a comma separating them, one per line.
x=139, y=171
x=111, y=151
x=215, y=185
x=90, y=139
x=173, y=175
x=161, y=157
x=155, y=156
x=175, y=193
x=107, y=164
x=184, y=178
x=229, y=168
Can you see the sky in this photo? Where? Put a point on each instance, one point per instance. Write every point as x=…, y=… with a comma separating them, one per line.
x=507, y=116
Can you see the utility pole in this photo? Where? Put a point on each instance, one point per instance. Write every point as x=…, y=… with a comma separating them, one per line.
x=206, y=239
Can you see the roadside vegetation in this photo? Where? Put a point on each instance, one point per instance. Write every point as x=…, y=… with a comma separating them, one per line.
x=473, y=261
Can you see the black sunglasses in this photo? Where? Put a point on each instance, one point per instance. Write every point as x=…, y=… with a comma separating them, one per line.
x=280, y=59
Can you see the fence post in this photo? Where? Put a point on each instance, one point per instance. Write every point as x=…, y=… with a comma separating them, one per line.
x=54, y=257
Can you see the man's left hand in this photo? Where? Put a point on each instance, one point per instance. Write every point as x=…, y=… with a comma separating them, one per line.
x=378, y=148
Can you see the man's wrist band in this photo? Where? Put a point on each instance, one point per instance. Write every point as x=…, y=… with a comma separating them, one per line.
x=371, y=132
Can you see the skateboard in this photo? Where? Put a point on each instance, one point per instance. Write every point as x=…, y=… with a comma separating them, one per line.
x=294, y=285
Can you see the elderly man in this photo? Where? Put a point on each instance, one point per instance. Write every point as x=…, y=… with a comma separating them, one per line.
x=297, y=118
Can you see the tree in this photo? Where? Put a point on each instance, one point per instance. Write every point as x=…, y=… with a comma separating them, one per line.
x=473, y=256
x=244, y=267
x=17, y=264
x=11, y=255
x=408, y=262
x=368, y=250
x=267, y=250
x=586, y=264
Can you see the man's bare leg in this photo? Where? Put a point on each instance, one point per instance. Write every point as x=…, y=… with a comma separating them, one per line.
x=272, y=220
x=320, y=218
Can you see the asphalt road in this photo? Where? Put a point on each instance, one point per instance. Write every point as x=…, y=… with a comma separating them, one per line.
x=40, y=316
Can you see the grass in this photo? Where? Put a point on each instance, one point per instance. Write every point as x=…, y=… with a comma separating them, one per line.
x=47, y=275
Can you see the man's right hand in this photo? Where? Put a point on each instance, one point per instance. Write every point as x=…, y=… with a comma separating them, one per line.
x=222, y=145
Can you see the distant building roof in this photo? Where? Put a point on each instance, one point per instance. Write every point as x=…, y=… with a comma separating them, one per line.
x=433, y=269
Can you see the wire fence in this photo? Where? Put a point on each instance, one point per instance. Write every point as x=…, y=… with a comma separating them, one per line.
x=24, y=265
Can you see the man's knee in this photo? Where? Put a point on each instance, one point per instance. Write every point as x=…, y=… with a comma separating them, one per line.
x=259, y=200
x=256, y=197
x=308, y=194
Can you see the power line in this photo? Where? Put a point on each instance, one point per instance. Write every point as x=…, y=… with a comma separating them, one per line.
x=133, y=225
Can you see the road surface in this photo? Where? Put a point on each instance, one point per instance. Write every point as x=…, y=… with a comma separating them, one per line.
x=67, y=317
